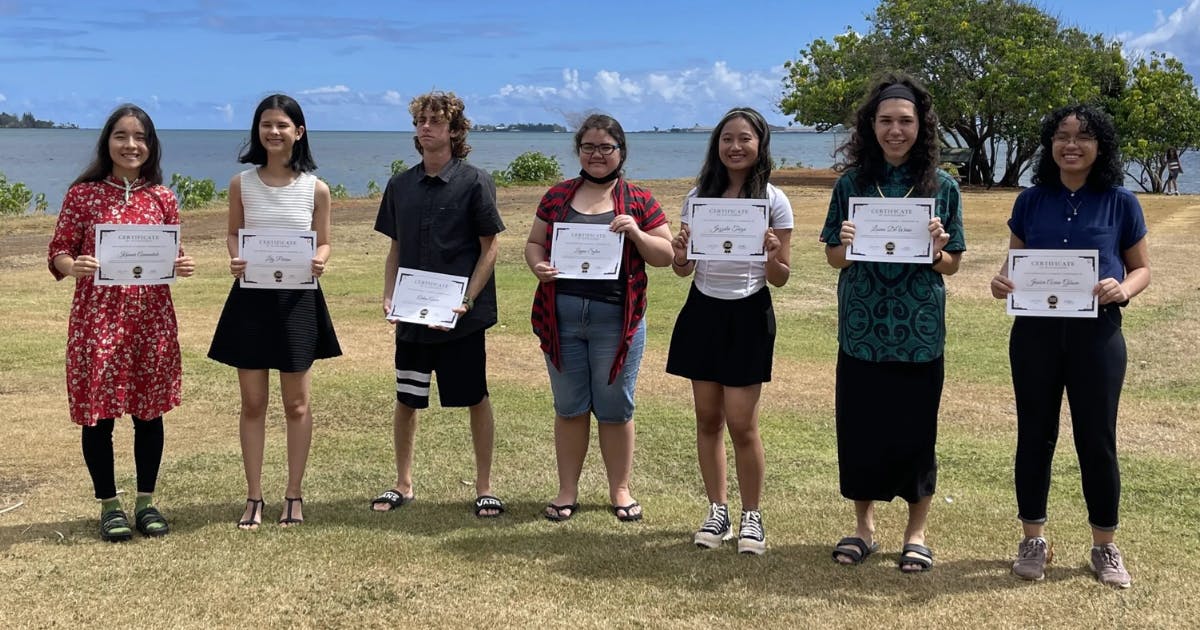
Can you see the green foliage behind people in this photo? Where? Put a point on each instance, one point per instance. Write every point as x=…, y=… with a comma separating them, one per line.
x=193, y=193
x=14, y=197
x=533, y=167
x=1158, y=110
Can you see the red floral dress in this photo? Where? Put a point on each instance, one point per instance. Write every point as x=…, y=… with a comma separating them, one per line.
x=122, y=341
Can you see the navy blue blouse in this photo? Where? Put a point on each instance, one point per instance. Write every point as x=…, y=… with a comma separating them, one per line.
x=1052, y=217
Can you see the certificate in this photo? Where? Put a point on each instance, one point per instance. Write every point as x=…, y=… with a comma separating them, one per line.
x=888, y=229
x=277, y=259
x=727, y=229
x=1053, y=282
x=425, y=297
x=583, y=251
x=136, y=254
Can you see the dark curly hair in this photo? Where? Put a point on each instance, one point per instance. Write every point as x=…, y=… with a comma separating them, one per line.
x=448, y=106
x=1106, y=172
x=714, y=177
x=863, y=152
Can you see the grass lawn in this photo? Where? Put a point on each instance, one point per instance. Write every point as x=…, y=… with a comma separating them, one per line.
x=432, y=564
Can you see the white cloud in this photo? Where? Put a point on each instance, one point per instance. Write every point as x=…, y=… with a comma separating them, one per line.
x=327, y=89
x=3, y=98
x=392, y=97
x=1177, y=34
x=226, y=112
x=668, y=88
x=613, y=87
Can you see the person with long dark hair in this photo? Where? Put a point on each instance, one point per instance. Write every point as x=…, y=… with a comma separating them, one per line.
x=276, y=329
x=1174, y=170
x=592, y=331
x=1076, y=202
x=891, y=319
x=122, y=341
x=724, y=337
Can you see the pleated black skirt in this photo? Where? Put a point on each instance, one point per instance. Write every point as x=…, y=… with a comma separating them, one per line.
x=887, y=416
x=269, y=329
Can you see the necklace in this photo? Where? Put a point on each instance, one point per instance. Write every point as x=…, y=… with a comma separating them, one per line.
x=880, y=190
x=1074, y=206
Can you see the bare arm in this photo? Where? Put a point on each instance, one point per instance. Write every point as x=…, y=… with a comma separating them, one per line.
x=778, y=244
x=391, y=266
x=679, y=260
x=654, y=245
x=1001, y=286
x=322, y=224
x=835, y=255
x=1137, y=276
x=237, y=219
x=535, y=252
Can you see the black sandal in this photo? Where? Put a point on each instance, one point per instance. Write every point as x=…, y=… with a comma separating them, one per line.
x=151, y=516
x=855, y=549
x=255, y=519
x=488, y=502
x=630, y=516
x=111, y=524
x=393, y=499
x=922, y=558
x=287, y=519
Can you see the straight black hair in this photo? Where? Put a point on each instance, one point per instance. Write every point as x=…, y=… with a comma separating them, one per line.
x=102, y=163
x=714, y=177
x=254, y=152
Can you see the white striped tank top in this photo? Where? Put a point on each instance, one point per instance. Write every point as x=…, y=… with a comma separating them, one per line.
x=285, y=207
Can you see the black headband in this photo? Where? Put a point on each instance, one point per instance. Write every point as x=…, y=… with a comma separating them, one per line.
x=897, y=90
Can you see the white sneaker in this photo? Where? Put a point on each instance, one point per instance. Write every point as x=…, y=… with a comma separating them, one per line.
x=716, y=528
x=751, y=537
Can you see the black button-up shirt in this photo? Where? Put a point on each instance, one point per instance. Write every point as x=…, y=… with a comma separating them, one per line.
x=438, y=221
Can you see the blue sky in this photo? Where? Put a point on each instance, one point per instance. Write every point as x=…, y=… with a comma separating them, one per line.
x=205, y=64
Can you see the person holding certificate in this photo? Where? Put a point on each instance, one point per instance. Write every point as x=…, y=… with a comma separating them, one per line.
x=588, y=247
x=122, y=339
x=724, y=337
x=1077, y=202
x=891, y=318
x=266, y=328
x=440, y=216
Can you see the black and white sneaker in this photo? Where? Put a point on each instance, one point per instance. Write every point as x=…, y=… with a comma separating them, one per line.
x=751, y=538
x=716, y=528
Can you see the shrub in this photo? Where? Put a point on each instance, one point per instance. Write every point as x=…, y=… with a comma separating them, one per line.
x=193, y=193
x=373, y=189
x=40, y=205
x=337, y=192
x=14, y=197
x=533, y=167
x=398, y=166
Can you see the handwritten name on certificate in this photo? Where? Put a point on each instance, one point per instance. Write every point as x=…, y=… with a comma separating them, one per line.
x=582, y=251
x=277, y=259
x=891, y=230
x=136, y=254
x=425, y=297
x=1053, y=282
x=727, y=229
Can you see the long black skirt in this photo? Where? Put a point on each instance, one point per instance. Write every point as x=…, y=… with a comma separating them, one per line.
x=269, y=329
x=887, y=416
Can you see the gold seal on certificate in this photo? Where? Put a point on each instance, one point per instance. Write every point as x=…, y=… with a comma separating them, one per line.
x=277, y=259
x=889, y=229
x=425, y=297
x=136, y=254
x=727, y=229
x=1053, y=282
x=586, y=251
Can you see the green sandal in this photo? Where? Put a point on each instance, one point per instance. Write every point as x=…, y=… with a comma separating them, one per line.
x=114, y=526
x=150, y=522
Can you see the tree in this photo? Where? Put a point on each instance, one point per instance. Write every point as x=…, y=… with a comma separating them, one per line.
x=1159, y=110
x=994, y=68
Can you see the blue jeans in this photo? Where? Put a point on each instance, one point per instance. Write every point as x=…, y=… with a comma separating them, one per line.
x=590, y=334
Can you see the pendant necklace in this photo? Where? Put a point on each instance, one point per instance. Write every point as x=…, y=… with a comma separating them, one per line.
x=880, y=190
x=1074, y=206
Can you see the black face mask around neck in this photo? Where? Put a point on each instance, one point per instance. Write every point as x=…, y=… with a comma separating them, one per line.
x=616, y=172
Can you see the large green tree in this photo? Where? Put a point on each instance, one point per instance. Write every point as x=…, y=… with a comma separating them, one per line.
x=1158, y=110
x=994, y=67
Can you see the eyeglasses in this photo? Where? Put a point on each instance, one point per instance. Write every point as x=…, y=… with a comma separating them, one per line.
x=1082, y=138
x=588, y=148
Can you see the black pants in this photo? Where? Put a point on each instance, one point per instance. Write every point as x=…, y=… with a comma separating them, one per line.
x=147, y=455
x=1087, y=358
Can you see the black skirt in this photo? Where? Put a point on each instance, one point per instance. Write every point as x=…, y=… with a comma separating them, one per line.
x=731, y=342
x=887, y=416
x=269, y=329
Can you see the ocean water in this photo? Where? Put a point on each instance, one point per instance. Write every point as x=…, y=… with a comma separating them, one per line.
x=47, y=160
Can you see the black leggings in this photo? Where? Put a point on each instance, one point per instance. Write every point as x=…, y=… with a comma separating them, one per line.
x=147, y=454
x=1087, y=358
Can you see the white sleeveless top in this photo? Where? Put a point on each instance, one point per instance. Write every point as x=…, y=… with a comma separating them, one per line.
x=283, y=207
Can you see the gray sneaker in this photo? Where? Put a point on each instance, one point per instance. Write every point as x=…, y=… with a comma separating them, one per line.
x=1032, y=556
x=1108, y=566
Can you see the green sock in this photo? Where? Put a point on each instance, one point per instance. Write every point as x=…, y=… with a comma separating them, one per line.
x=109, y=505
x=143, y=501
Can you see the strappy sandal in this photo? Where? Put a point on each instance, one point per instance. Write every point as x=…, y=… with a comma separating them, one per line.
x=114, y=526
x=149, y=516
x=921, y=558
x=256, y=510
x=287, y=520
x=855, y=549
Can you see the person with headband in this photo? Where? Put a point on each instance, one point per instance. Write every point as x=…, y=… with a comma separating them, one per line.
x=891, y=319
